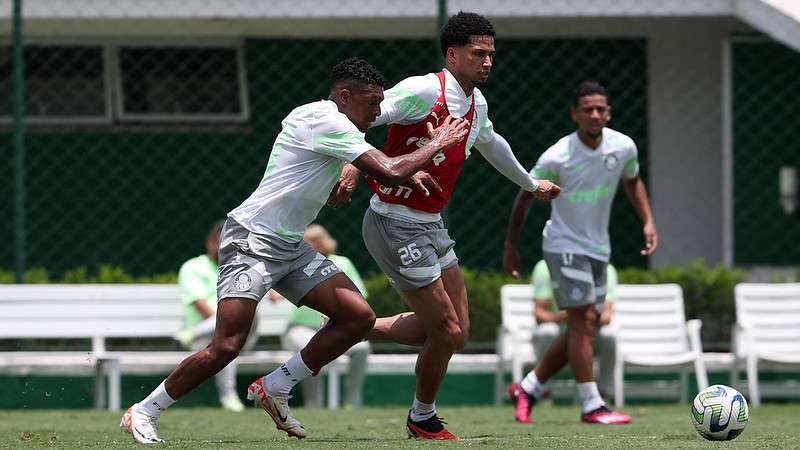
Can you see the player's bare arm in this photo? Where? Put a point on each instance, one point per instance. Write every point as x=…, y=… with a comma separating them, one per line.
x=392, y=172
x=511, y=259
x=343, y=190
x=546, y=191
x=637, y=193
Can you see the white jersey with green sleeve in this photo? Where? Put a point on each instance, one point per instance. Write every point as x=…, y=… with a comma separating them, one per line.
x=315, y=142
x=588, y=179
x=543, y=286
x=197, y=280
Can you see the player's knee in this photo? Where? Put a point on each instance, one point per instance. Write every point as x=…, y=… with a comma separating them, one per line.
x=226, y=349
x=463, y=337
x=448, y=333
x=363, y=319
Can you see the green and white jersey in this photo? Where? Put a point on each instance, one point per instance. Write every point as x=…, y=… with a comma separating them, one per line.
x=315, y=142
x=197, y=280
x=588, y=179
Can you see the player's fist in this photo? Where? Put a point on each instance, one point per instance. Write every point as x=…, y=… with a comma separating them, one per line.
x=546, y=191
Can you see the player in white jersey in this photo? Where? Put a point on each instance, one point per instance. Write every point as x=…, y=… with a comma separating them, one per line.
x=588, y=165
x=262, y=246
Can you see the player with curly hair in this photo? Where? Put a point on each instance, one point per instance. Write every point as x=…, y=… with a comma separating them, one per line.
x=262, y=246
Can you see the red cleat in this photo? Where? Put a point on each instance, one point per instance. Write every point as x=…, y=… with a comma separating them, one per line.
x=429, y=429
x=523, y=403
x=605, y=416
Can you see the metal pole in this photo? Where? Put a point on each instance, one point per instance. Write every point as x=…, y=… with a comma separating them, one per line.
x=19, y=143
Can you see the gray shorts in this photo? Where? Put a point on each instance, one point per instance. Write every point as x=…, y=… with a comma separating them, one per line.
x=412, y=255
x=577, y=279
x=251, y=264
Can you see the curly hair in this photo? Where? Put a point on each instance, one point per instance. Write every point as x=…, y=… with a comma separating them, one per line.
x=356, y=70
x=588, y=88
x=460, y=27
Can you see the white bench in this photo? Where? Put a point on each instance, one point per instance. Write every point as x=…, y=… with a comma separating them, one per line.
x=97, y=312
x=767, y=335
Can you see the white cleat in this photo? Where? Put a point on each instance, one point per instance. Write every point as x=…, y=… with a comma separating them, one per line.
x=232, y=403
x=141, y=426
x=277, y=408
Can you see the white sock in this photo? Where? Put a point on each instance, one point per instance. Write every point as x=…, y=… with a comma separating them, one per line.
x=590, y=396
x=421, y=411
x=281, y=380
x=532, y=385
x=157, y=402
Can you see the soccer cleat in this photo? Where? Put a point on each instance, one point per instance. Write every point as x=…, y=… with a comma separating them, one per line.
x=278, y=409
x=605, y=416
x=141, y=426
x=523, y=403
x=429, y=429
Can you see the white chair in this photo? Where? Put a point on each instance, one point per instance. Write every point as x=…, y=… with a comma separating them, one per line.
x=515, y=334
x=767, y=329
x=652, y=332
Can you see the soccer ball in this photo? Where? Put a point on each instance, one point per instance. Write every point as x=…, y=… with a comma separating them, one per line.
x=719, y=413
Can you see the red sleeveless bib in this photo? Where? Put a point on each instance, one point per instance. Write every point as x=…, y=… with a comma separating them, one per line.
x=445, y=166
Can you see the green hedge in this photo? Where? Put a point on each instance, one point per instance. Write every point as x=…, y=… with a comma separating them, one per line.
x=708, y=293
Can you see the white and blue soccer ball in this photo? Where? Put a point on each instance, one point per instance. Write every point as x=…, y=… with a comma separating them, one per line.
x=719, y=413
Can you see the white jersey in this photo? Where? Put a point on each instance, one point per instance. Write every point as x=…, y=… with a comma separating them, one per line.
x=315, y=142
x=588, y=179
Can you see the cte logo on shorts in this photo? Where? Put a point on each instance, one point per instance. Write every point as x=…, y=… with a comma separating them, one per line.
x=242, y=282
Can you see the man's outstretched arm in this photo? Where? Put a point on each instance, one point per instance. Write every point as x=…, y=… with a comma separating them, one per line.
x=498, y=153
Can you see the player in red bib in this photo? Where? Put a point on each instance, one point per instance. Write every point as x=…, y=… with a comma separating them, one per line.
x=403, y=230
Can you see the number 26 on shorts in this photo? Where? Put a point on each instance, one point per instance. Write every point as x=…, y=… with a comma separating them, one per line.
x=409, y=253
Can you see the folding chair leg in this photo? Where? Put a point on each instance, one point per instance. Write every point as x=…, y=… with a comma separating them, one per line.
x=700, y=373
x=498, y=384
x=752, y=380
x=619, y=384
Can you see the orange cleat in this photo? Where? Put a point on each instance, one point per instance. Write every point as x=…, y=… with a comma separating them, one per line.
x=429, y=429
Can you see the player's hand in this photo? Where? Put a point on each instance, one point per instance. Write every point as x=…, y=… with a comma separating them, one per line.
x=424, y=182
x=546, y=191
x=342, y=192
x=274, y=296
x=511, y=259
x=650, y=239
x=452, y=130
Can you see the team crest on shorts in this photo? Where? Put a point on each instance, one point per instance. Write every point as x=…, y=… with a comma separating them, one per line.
x=576, y=293
x=242, y=282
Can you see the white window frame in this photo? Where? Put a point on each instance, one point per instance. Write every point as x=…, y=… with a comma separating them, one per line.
x=106, y=118
x=237, y=46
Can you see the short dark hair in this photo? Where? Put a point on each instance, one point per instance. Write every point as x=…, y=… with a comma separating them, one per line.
x=588, y=88
x=460, y=27
x=355, y=70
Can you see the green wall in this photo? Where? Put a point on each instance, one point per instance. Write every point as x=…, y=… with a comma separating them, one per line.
x=143, y=196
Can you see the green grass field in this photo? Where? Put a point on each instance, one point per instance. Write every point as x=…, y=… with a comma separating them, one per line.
x=654, y=427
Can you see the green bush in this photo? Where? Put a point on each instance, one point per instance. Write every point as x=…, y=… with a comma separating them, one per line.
x=79, y=275
x=708, y=293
